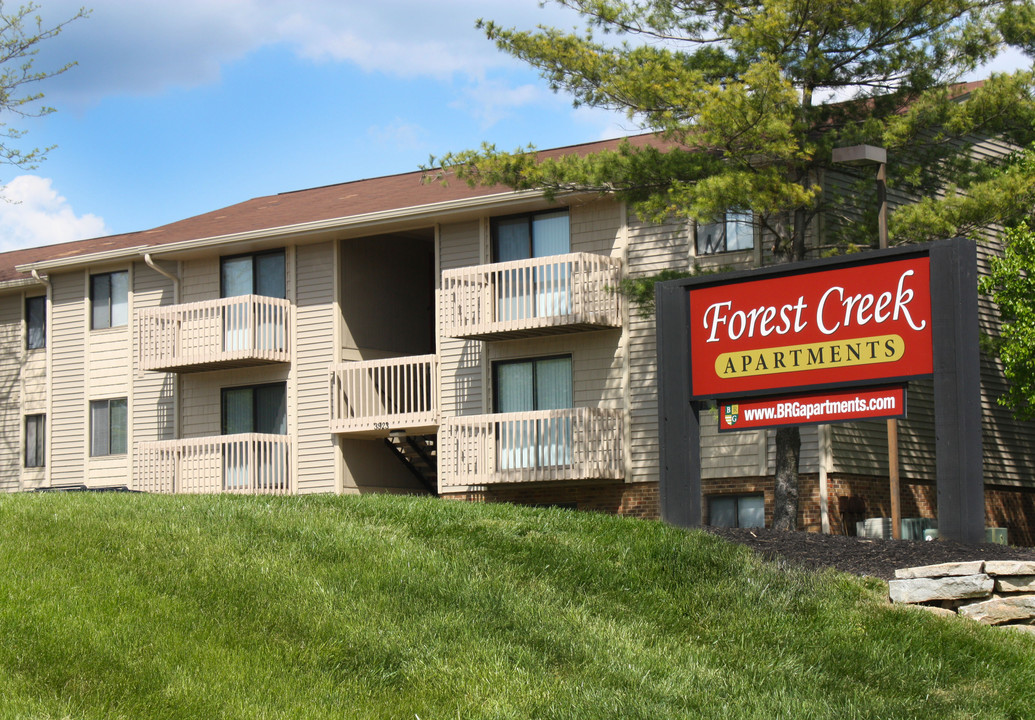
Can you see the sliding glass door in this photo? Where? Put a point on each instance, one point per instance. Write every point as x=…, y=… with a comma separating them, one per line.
x=527, y=386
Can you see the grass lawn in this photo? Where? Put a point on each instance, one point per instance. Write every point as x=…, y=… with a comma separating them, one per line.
x=135, y=606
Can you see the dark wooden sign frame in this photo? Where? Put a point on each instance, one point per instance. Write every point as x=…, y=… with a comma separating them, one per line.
x=956, y=372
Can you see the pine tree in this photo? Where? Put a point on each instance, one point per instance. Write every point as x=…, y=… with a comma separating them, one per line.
x=748, y=101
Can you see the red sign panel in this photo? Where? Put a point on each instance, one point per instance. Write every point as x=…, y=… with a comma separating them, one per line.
x=803, y=408
x=820, y=328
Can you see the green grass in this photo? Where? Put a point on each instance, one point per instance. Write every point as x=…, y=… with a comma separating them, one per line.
x=133, y=606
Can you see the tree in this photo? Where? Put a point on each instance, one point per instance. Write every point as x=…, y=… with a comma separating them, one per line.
x=742, y=98
x=1011, y=283
x=21, y=33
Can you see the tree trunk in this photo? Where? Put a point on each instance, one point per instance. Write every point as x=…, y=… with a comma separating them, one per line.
x=785, y=500
x=788, y=440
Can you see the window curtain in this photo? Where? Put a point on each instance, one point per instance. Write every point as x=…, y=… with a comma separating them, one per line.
x=554, y=392
x=550, y=237
x=515, y=392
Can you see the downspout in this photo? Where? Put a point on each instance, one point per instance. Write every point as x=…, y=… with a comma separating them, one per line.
x=48, y=420
x=177, y=421
x=151, y=264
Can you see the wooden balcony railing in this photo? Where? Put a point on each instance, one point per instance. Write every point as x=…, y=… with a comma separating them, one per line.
x=523, y=298
x=573, y=444
x=215, y=334
x=248, y=463
x=374, y=397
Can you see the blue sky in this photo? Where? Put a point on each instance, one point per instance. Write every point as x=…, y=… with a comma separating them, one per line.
x=179, y=108
x=175, y=109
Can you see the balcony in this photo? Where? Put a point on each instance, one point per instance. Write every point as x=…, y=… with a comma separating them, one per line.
x=376, y=396
x=230, y=332
x=525, y=298
x=249, y=464
x=546, y=445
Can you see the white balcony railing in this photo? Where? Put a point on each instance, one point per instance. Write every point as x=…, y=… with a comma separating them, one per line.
x=212, y=334
x=375, y=396
x=248, y=463
x=573, y=444
x=560, y=293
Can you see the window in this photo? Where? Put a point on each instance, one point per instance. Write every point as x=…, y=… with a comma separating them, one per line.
x=540, y=291
x=745, y=511
x=109, y=299
x=35, y=322
x=255, y=274
x=35, y=440
x=530, y=236
x=733, y=231
x=534, y=385
x=255, y=409
x=108, y=427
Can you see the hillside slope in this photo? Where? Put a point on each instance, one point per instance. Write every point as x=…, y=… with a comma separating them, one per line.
x=133, y=606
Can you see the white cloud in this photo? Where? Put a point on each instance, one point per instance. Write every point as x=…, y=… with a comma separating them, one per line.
x=32, y=213
x=491, y=100
x=398, y=135
x=147, y=46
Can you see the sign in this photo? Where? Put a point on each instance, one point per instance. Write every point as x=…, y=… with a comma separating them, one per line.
x=806, y=408
x=863, y=323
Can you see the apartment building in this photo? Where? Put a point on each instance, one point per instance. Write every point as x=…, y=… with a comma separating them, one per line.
x=389, y=335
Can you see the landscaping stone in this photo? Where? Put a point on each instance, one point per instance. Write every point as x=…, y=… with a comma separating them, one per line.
x=1012, y=605
x=1015, y=584
x=1001, y=610
x=926, y=589
x=941, y=570
x=1009, y=567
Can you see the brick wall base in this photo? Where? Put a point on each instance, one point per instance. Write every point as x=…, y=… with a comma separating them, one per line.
x=1012, y=508
x=632, y=499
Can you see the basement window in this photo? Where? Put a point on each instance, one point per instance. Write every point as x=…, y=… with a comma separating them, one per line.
x=743, y=511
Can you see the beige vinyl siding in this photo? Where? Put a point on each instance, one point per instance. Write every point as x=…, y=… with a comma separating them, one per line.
x=33, y=378
x=109, y=363
x=201, y=396
x=154, y=393
x=594, y=227
x=314, y=348
x=653, y=248
x=808, y=460
x=596, y=363
x=67, y=421
x=460, y=360
x=11, y=354
x=199, y=279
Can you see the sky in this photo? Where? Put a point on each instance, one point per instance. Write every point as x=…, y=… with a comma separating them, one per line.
x=179, y=108
x=176, y=109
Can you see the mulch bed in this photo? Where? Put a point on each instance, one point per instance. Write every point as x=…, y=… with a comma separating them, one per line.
x=863, y=556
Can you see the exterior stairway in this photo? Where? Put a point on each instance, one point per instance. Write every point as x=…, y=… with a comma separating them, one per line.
x=419, y=454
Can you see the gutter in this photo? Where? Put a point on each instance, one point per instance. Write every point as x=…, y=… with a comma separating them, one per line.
x=412, y=212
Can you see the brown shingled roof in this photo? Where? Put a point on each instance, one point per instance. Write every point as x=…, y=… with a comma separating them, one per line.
x=360, y=197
